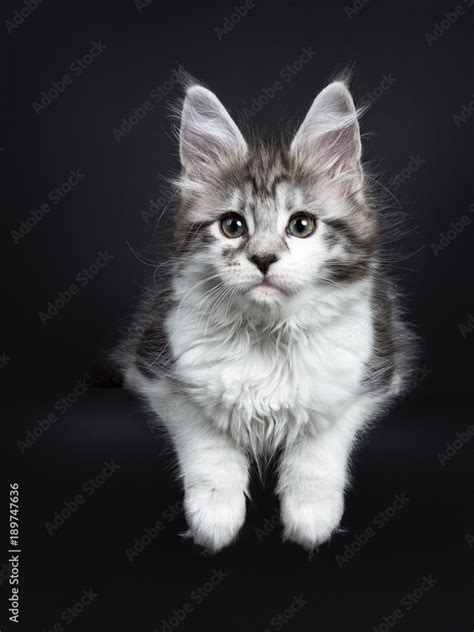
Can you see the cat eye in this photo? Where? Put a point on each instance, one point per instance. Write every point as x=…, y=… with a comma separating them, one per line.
x=301, y=225
x=233, y=226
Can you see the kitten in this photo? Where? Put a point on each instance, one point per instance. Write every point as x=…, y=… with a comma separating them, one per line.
x=279, y=335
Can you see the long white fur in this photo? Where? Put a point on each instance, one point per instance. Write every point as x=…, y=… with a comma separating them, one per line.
x=262, y=373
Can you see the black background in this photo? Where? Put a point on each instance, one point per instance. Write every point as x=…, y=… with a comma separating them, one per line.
x=413, y=117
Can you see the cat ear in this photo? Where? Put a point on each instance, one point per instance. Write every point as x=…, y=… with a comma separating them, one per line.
x=328, y=141
x=208, y=135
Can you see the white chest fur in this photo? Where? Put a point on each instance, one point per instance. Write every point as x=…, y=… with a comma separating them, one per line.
x=266, y=387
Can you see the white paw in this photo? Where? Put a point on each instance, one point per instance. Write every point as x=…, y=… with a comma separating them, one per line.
x=310, y=522
x=215, y=515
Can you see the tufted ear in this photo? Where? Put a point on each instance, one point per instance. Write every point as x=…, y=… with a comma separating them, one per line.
x=208, y=135
x=328, y=141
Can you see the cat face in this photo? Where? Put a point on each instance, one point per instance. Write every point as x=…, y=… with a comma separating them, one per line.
x=270, y=221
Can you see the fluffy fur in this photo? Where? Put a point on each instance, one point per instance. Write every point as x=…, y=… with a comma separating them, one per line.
x=289, y=359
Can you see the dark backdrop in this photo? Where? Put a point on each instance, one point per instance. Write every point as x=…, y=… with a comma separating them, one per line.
x=105, y=131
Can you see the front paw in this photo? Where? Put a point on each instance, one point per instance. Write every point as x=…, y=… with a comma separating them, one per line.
x=311, y=522
x=214, y=515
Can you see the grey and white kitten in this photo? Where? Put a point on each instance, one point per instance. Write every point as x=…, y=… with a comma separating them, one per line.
x=279, y=335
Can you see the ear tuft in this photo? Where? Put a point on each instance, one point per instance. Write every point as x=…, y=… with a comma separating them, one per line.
x=208, y=135
x=328, y=141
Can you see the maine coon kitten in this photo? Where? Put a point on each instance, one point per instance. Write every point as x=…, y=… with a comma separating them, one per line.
x=278, y=334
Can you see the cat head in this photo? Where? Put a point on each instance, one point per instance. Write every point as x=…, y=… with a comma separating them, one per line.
x=271, y=220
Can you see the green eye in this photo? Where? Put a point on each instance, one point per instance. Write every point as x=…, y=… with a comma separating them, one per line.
x=233, y=226
x=301, y=225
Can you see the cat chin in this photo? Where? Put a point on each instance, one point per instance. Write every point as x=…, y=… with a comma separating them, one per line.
x=266, y=294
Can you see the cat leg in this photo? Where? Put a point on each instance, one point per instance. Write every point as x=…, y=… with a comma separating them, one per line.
x=313, y=474
x=214, y=471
